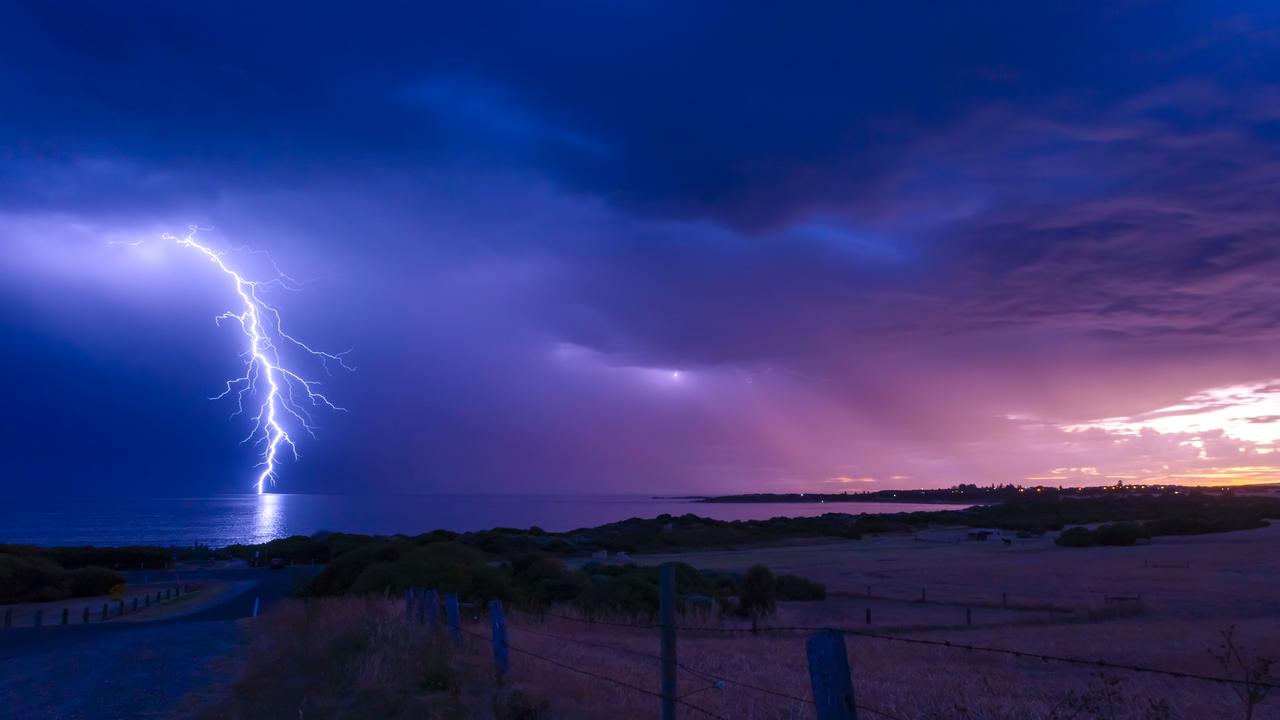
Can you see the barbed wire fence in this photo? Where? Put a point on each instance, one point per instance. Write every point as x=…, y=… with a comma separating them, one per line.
x=832, y=696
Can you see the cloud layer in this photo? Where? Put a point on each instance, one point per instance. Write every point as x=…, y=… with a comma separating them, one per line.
x=658, y=248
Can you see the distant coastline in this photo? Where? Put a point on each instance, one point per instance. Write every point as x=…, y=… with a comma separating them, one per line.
x=969, y=494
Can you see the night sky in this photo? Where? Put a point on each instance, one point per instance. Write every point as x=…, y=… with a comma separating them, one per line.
x=647, y=247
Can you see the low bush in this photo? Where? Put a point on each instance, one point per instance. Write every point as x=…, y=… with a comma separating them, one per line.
x=35, y=578
x=794, y=587
x=1115, y=534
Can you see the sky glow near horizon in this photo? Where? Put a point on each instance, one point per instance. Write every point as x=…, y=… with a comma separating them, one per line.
x=1034, y=245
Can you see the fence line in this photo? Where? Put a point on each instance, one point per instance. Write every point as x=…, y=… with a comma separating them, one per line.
x=1002, y=651
x=709, y=676
x=597, y=676
x=945, y=644
x=833, y=696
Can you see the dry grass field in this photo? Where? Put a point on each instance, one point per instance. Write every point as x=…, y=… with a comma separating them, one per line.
x=353, y=658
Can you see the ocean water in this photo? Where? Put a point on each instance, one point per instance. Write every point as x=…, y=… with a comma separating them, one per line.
x=226, y=519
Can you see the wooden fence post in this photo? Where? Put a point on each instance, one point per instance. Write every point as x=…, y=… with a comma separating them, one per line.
x=829, y=676
x=667, y=613
x=66, y=615
x=453, y=616
x=408, y=605
x=922, y=595
x=421, y=610
x=39, y=618
x=968, y=616
x=256, y=602
x=868, y=616
x=1004, y=598
x=8, y=617
x=86, y=615
x=499, y=637
x=432, y=601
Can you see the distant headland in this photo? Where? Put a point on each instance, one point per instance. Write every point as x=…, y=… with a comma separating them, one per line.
x=978, y=494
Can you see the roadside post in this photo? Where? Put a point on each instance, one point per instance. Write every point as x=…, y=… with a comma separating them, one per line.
x=256, y=602
x=829, y=676
x=8, y=617
x=66, y=615
x=420, y=612
x=39, y=618
x=85, y=621
x=432, y=601
x=501, y=661
x=454, y=617
x=667, y=614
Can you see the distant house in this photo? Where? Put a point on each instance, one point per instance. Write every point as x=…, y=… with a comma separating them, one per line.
x=981, y=534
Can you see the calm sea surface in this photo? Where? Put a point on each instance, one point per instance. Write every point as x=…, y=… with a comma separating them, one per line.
x=226, y=519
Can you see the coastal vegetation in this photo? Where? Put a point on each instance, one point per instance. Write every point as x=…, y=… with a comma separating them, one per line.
x=1185, y=511
x=30, y=574
x=536, y=582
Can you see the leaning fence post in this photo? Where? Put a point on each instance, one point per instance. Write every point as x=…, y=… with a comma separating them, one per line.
x=420, y=615
x=829, y=676
x=667, y=613
x=256, y=601
x=453, y=616
x=432, y=601
x=499, y=636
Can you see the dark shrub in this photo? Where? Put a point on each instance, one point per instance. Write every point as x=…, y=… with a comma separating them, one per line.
x=31, y=577
x=794, y=587
x=446, y=567
x=89, y=581
x=759, y=594
x=1115, y=534
x=35, y=578
x=123, y=558
x=1076, y=537
x=1121, y=534
x=340, y=574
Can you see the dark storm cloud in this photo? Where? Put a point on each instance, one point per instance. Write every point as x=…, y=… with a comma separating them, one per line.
x=872, y=237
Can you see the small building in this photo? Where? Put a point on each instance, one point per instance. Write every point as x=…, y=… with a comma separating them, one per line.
x=981, y=534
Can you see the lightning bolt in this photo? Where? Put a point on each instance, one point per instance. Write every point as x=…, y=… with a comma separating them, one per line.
x=281, y=393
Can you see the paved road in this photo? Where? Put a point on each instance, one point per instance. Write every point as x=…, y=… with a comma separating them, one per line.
x=117, y=670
